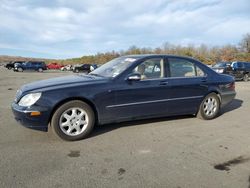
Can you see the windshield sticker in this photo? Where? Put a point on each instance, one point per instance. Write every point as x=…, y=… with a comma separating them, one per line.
x=130, y=59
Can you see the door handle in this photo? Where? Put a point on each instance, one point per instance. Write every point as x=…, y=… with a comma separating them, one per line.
x=163, y=83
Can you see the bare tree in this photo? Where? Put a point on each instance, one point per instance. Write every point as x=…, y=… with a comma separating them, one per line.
x=245, y=43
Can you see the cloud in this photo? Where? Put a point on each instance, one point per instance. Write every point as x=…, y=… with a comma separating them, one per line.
x=62, y=28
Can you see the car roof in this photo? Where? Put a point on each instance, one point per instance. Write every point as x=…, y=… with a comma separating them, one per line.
x=140, y=56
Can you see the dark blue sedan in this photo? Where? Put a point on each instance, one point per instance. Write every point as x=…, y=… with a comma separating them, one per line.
x=126, y=88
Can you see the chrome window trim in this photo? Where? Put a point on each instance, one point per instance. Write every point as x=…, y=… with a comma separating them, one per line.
x=187, y=77
x=155, y=101
x=164, y=78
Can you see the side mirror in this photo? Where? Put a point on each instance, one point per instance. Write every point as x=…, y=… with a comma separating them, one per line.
x=134, y=77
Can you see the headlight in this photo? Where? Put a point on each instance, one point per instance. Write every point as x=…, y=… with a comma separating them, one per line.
x=29, y=99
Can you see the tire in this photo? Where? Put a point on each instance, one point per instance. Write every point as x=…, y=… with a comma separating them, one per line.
x=19, y=69
x=69, y=125
x=9, y=68
x=245, y=77
x=209, y=107
x=40, y=70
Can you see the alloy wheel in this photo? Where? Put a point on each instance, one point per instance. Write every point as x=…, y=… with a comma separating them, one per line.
x=210, y=106
x=74, y=121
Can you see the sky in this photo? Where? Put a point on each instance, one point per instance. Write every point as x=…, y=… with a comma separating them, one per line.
x=66, y=29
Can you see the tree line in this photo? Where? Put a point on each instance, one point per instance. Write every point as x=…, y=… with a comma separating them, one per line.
x=204, y=53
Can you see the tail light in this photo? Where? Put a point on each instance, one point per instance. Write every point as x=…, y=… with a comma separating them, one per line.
x=231, y=86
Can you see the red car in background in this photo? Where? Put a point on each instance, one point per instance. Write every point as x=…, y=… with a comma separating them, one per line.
x=54, y=66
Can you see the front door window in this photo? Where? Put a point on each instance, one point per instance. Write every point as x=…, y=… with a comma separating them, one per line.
x=151, y=69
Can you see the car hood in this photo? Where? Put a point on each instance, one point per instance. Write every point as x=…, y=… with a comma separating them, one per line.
x=62, y=81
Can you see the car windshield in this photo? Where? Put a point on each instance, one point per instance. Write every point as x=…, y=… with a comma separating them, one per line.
x=221, y=65
x=114, y=67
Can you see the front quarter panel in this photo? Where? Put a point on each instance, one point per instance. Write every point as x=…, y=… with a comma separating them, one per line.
x=98, y=96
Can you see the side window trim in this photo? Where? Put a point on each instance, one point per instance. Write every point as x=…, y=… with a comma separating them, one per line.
x=161, y=65
x=168, y=73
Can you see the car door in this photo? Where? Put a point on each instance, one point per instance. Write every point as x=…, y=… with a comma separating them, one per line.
x=187, y=85
x=26, y=65
x=35, y=65
x=146, y=97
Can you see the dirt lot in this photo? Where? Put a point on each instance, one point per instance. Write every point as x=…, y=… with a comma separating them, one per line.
x=167, y=152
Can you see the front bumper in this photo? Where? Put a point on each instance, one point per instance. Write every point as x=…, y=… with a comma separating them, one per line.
x=24, y=117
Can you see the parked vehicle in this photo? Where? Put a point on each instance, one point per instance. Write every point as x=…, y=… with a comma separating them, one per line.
x=124, y=89
x=93, y=67
x=82, y=68
x=86, y=68
x=54, y=66
x=222, y=67
x=39, y=66
x=11, y=65
x=239, y=70
x=67, y=68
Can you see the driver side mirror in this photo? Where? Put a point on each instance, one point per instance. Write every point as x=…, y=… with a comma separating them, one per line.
x=134, y=77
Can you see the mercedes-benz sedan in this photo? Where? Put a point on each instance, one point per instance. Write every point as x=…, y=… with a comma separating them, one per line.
x=124, y=89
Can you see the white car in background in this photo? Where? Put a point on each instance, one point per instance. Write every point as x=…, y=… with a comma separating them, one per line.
x=67, y=68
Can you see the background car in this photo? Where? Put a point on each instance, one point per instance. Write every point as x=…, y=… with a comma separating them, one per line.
x=86, y=68
x=240, y=70
x=39, y=66
x=222, y=67
x=54, y=66
x=11, y=65
x=124, y=89
x=67, y=68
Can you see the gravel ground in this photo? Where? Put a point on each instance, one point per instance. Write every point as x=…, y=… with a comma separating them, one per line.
x=167, y=152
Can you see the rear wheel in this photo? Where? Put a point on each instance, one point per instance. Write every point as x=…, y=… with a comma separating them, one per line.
x=245, y=77
x=209, y=108
x=73, y=120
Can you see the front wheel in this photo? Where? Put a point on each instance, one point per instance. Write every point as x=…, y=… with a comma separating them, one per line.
x=209, y=108
x=20, y=69
x=73, y=120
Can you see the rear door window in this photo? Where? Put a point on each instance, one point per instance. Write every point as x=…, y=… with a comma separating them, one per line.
x=179, y=67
